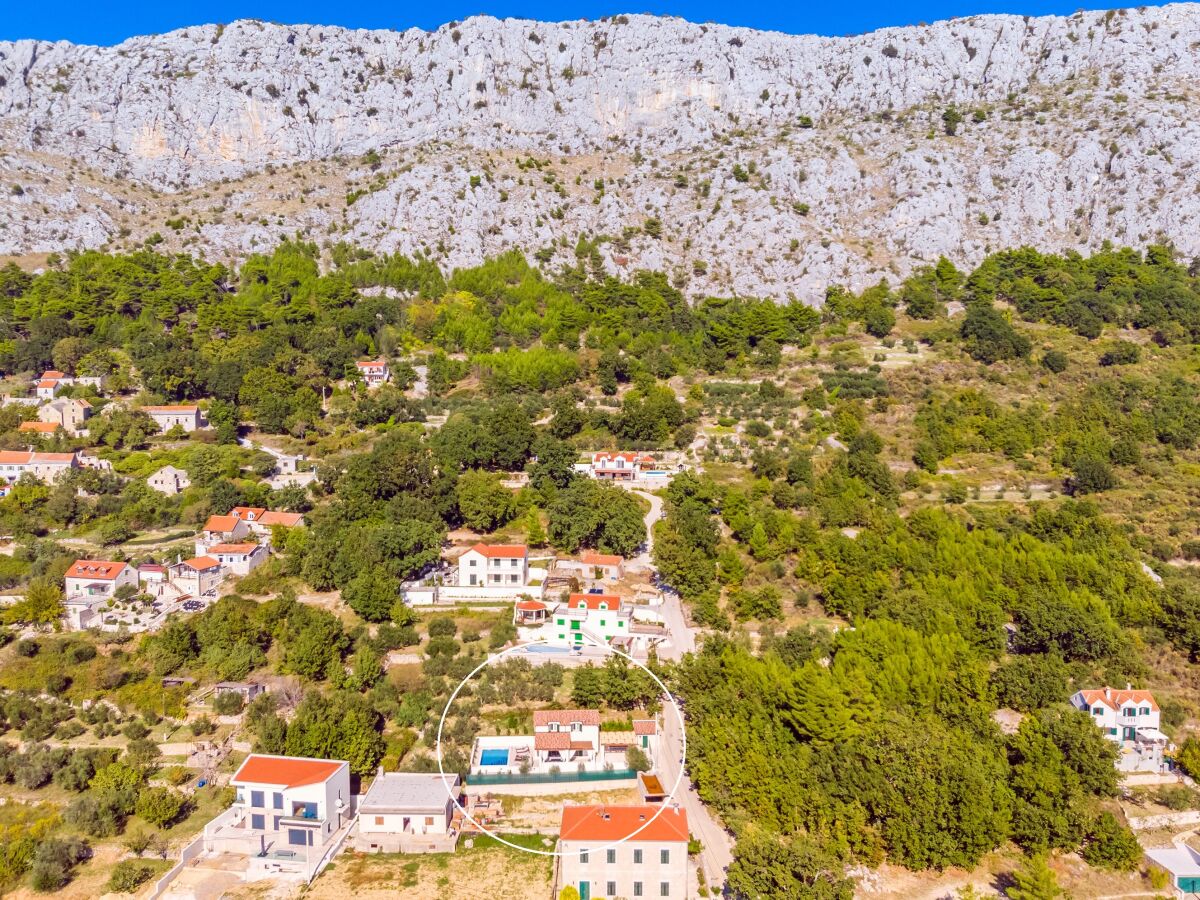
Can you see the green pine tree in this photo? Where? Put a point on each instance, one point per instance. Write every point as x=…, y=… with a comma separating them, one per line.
x=1035, y=880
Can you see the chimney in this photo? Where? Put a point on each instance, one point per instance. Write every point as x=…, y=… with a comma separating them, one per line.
x=1129, y=685
x=1108, y=693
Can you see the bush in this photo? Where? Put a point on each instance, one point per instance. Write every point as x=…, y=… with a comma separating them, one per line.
x=442, y=626
x=54, y=861
x=1111, y=845
x=128, y=875
x=228, y=703
x=1055, y=361
x=159, y=806
x=1122, y=353
x=28, y=648
x=1090, y=475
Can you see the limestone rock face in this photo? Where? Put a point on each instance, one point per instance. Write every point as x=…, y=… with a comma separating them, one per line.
x=773, y=163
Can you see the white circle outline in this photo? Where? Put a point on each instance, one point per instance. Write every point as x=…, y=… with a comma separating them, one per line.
x=553, y=853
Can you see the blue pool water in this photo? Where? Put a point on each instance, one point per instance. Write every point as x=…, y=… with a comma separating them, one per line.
x=493, y=757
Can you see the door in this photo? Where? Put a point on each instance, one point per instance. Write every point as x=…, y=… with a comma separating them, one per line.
x=1130, y=733
x=585, y=890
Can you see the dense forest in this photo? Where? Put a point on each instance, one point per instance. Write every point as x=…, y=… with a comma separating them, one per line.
x=868, y=612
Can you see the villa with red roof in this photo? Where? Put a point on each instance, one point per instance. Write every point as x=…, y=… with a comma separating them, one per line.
x=287, y=811
x=494, y=565
x=620, y=466
x=221, y=530
x=48, y=467
x=605, y=566
x=374, y=372
x=239, y=559
x=623, y=851
x=98, y=578
x=1130, y=718
x=590, y=618
x=260, y=520
x=186, y=415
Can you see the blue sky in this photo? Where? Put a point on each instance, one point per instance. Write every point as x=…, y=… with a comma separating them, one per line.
x=113, y=21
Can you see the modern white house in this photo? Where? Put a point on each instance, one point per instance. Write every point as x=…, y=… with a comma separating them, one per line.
x=1130, y=718
x=239, y=559
x=169, y=480
x=623, y=851
x=197, y=576
x=374, y=372
x=494, y=565
x=1182, y=865
x=287, y=811
x=186, y=415
x=408, y=812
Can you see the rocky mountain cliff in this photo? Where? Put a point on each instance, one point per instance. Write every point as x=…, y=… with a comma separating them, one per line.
x=736, y=159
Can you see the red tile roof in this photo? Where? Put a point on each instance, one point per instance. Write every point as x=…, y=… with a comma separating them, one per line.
x=593, y=601
x=600, y=559
x=1116, y=699
x=221, y=524
x=41, y=427
x=530, y=605
x=372, y=364
x=645, y=726
x=615, y=823
x=287, y=519
x=543, y=717
x=288, y=771
x=48, y=383
x=95, y=569
x=248, y=512
x=501, y=551
x=172, y=408
x=201, y=562
x=552, y=740
x=25, y=458
x=53, y=373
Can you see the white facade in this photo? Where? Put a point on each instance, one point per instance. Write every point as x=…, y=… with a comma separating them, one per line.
x=374, y=372
x=408, y=812
x=497, y=565
x=48, y=467
x=239, y=559
x=98, y=579
x=624, y=851
x=197, y=576
x=186, y=416
x=1121, y=715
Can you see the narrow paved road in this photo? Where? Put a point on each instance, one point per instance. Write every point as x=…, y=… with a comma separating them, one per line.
x=716, y=844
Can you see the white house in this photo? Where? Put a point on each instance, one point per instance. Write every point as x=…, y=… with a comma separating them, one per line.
x=99, y=579
x=1182, y=864
x=1130, y=718
x=239, y=559
x=221, y=530
x=185, y=415
x=287, y=810
x=566, y=736
x=619, y=466
x=408, y=812
x=50, y=383
x=197, y=576
x=494, y=565
x=49, y=467
x=169, y=480
x=624, y=851
x=374, y=372
x=1121, y=715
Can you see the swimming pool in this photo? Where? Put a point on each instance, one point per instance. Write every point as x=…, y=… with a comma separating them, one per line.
x=495, y=757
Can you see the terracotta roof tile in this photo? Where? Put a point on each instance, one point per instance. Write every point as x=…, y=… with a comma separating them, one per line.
x=288, y=771
x=615, y=823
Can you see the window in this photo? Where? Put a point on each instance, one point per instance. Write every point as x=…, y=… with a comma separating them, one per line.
x=256, y=799
x=603, y=606
x=276, y=800
x=637, y=889
x=1145, y=710
x=471, y=563
x=298, y=837
x=664, y=889
x=611, y=889
x=429, y=820
x=583, y=856
x=1112, y=731
x=258, y=822
x=603, y=623
x=379, y=820
x=611, y=855
x=1097, y=711
x=637, y=857
x=664, y=857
